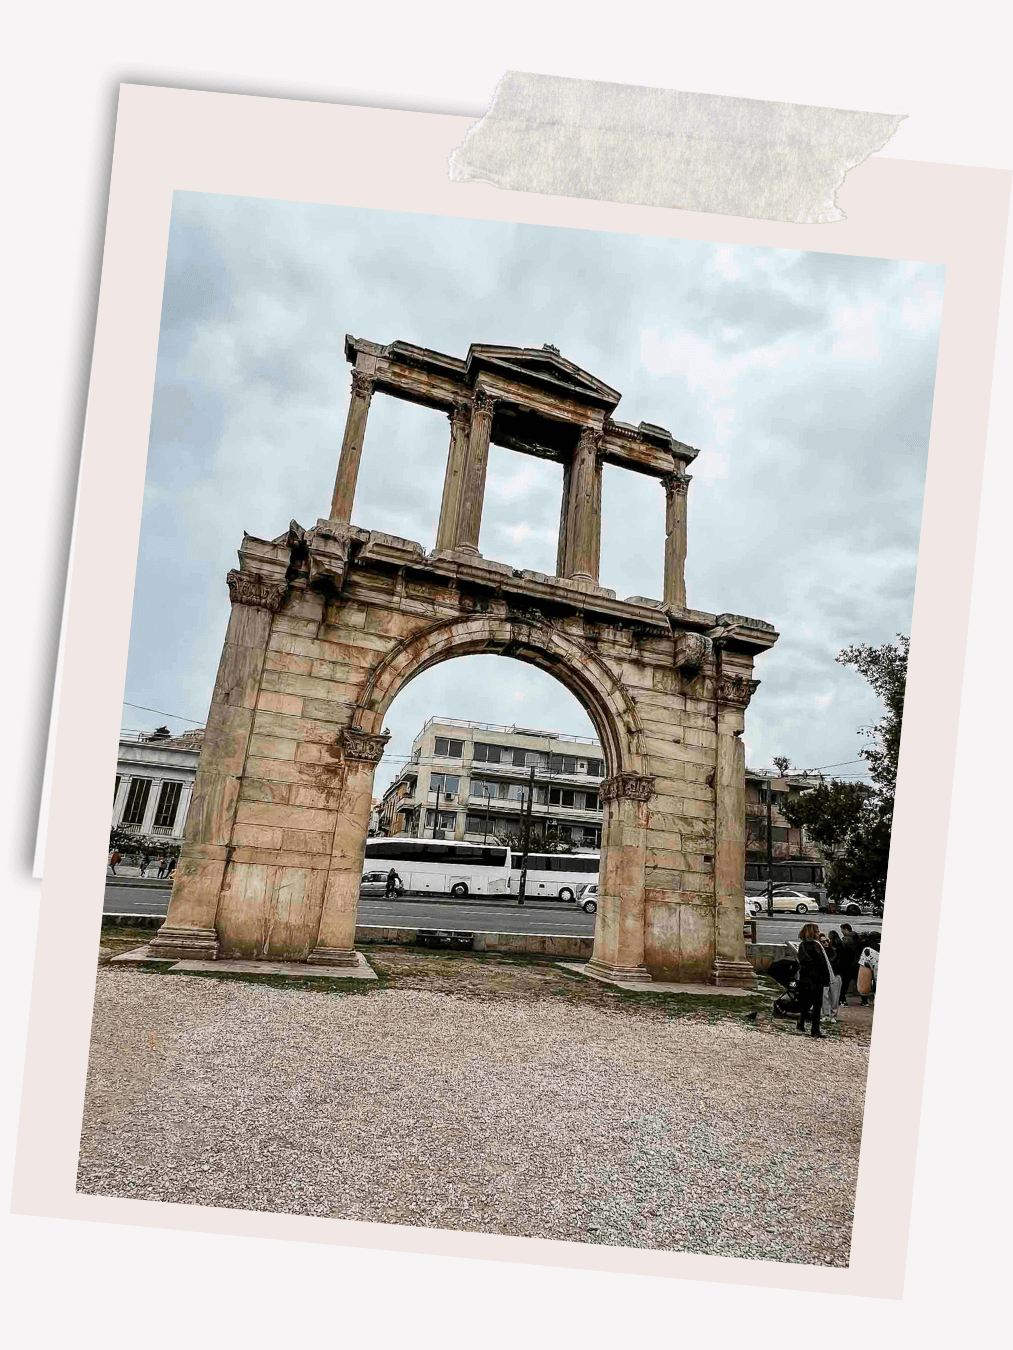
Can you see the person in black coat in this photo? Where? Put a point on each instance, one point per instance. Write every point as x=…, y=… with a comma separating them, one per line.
x=847, y=961
x=813, y=977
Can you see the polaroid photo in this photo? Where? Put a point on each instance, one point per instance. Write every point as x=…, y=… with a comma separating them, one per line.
x=516, y=603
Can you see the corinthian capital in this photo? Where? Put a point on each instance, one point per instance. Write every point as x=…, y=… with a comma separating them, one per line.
x=246, y=588
x=632, y=786
x=362, y=746
x=460, y=413
x=485, y=404
x=362, y=385
x=736, y=689
x=675, y=484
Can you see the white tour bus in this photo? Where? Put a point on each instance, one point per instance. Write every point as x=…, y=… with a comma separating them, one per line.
x=443, y=866
x=558, y=874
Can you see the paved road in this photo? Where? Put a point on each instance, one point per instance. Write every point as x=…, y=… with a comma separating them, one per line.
x=469, y=917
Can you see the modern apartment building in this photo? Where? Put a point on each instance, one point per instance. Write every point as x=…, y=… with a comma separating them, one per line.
x=469, y=780
x=788, y=841
x=154, y=781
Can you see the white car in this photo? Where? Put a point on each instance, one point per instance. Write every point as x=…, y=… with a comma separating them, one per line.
x=588, y=898
x=785, y=902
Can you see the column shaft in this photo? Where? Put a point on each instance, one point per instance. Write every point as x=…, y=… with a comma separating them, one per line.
x=469, y=524
x=189, y=928
x=619, y=931
x=731, y=966
x=583, y=524
x=351, y=448
x=453, y=483
x=335, y=945
x=676, y=485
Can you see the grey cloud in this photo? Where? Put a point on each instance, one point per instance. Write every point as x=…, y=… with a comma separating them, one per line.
x=814, y=527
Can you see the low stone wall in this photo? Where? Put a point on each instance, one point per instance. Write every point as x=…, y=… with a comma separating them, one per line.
x=538, y=944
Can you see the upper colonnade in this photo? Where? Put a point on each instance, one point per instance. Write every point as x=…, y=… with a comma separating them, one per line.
x=532, y=400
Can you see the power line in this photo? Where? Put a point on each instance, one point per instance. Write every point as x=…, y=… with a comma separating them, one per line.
x=162, y=713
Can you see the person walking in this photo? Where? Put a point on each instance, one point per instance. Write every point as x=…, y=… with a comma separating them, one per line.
x=813, y=977
x=393, y=882
x=171, y=869
x=114, y=858
x=144, y=865
x=162, y=866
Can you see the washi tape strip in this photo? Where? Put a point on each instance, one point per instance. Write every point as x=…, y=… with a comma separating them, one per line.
x=659, y=147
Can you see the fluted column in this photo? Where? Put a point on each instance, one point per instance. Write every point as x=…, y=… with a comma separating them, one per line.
x=360, y=753
x=583, y=517
x=675, y=485
x=469, y=521
x=351, y=448
x=730, y=964
x=453, y=483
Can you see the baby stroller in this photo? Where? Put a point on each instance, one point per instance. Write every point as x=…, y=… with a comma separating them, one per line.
x=785, y=972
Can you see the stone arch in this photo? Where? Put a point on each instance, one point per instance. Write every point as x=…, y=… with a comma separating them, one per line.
x=573, y=663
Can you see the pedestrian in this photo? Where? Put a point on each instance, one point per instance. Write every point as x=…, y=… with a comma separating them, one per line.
x=114, y=858
x=144, y=865
x=393, y=882
x=171, y=869
x=813, y=977
x=163, y=865
x=847, y=966
x=832, y=993
x=869, y=959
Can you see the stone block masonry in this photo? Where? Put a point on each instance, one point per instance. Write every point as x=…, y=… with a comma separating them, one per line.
x=329, y=624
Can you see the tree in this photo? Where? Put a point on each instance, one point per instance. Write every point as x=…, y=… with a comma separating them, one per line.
x=782, y=764
x=830, y=813
x=852, y=822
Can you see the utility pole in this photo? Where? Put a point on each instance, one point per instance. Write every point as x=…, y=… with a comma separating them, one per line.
x=770, y=854
x=523, y=884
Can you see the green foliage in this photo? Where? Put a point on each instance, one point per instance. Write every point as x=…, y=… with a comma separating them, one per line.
x=152, y=846
x=852, y=822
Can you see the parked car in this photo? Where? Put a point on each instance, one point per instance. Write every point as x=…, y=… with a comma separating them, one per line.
x=587, y=898
x=788, y=902
x=855, y=907
x=375, y=883
x=754, y=906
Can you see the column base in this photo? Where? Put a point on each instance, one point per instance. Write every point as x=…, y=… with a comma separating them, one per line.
x=605, y=971
x=733, y=974
x=185, y=944
x=333, y=956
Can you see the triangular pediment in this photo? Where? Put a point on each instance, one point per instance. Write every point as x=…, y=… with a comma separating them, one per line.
x=540, y=364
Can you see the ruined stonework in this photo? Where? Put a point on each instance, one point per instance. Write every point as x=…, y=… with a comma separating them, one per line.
x=329, y=623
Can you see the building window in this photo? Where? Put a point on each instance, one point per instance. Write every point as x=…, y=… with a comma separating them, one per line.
x=487, y=754
x=562, y=797
x=563, y=763
x=137, y=801
x=448, y=749
x=444, y=782
x=116, y=789
x=441, y=820
x=168, y=804
x=591, y=802
x=590, y=838
x=596, y=768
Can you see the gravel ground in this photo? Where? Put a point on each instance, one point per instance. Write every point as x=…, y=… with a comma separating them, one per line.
x=580, y=1122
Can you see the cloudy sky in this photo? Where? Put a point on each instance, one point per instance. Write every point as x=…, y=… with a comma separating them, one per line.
x=806, y=380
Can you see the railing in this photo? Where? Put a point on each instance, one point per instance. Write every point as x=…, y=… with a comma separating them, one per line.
x=180, y=742
x=162, y=829
x=510, y=731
